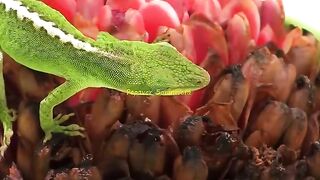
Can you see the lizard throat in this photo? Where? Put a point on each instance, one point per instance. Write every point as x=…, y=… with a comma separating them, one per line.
x=24, y=13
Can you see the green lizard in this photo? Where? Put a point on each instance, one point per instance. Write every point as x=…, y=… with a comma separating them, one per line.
x=40, y=38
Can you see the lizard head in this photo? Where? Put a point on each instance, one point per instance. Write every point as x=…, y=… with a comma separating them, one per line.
x=159, y=69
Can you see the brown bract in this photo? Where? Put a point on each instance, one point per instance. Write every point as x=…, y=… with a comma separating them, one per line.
x=229, y=97
x=267, y=73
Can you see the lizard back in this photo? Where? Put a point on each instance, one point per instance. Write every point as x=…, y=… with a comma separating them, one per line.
x=39, y=37
x=42, y=39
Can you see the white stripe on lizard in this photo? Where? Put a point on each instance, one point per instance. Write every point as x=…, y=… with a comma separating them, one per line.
x=23, y=12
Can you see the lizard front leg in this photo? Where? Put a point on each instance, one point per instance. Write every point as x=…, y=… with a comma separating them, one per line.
x=52, y=125
x=5, y=117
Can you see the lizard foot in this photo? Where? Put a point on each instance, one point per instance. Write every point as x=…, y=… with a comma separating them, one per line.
x=7, y=118
x=6, y=140
x=55, y=127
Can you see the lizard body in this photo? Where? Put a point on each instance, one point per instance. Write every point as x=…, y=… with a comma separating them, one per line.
x=40, y=38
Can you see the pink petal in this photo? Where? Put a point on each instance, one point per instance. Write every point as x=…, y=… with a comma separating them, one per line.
x=124, y=5
x=67, y=7
x=210, y=8
x=132, y=27
x=223, y=2
x=189, y=4
x=249, y=8
x=200, y=35
x=87, y=27
x=89, y=8
x=117, y=19
x=84, y=96
x=286, y=44
x=158, y=13
x=104, y=18
x=196, y=99
x=180, y=7
x=134, y=18
x=238, y=35
x=272, y=14
x=266, y=35
x=258, y=3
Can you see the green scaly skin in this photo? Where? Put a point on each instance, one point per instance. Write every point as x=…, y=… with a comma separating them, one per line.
x=135, y=68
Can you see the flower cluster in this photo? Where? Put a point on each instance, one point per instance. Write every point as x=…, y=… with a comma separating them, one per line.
x=257, y=119
x=229, y=28
x=200, y=29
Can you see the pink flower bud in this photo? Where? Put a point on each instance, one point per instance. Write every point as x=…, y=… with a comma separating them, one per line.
x=158, y=13
x=249, y=8
x=67, y=8
x=89, y=8
x=124, y=5
x=239, y=37
x=104, y=18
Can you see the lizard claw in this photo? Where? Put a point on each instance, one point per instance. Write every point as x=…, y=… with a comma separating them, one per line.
x=62, y=118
